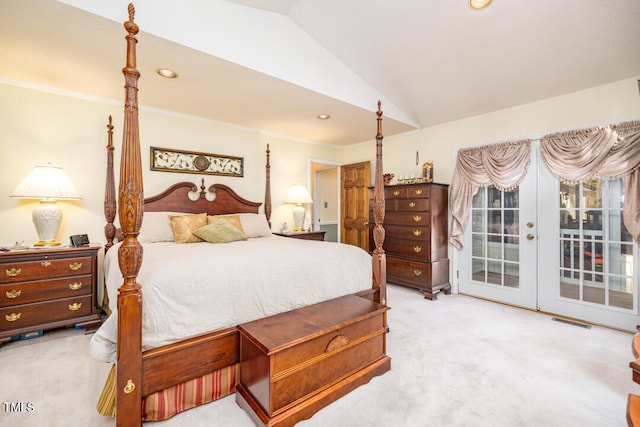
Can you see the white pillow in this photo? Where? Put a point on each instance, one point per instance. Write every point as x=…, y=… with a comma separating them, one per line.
x=156, y=227
x=255, y=225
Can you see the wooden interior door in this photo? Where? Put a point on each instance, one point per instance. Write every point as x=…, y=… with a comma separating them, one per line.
x=355, y=180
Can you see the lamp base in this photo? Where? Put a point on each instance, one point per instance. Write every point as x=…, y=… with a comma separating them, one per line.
x=47, y=244
x=298, y=217
x=47, y=217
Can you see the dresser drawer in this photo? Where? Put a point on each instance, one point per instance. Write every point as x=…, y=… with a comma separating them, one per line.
x=407, y=192
x=21, y=316
x=407, y=218
x=411, y=205
x=42, y=290
x=414, y=234
x=408, y=248
x=407, y=272
x=45, y=267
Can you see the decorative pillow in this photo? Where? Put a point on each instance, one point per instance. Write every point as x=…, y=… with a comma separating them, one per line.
x=255, y=225
x=184, y=226
x=156, y=227
x=231, y=219
x=220, y=231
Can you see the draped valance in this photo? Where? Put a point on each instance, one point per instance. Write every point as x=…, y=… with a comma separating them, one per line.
x=502, y=165
x=608, y=152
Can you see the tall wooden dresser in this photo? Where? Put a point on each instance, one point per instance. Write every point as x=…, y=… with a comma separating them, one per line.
x=415, y=224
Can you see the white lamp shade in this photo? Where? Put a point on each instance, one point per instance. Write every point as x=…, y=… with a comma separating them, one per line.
x=298, y=194
x=47, y=182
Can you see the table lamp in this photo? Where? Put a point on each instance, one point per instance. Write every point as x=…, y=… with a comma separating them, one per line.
x=298, y=195
x=49, y=184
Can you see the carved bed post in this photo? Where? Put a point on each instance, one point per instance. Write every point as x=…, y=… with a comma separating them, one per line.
x=379, y=258
x=267, y=190
x=109, y=192
x=130, y=211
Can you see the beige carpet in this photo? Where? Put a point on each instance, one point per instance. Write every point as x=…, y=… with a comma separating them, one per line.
x=457, y=361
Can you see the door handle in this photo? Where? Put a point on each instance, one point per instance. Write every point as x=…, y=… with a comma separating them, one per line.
x=530, y=236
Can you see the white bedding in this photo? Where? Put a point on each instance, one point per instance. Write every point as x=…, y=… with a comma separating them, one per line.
x=191, y=289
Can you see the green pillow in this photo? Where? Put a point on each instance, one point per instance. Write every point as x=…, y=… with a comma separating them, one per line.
x=219, y=231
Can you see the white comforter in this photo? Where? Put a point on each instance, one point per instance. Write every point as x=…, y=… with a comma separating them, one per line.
x=191, y=289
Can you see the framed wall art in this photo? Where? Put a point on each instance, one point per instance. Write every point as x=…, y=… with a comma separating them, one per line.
x=169, y=160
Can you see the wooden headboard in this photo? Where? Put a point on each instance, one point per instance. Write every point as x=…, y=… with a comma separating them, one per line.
x=223, y=200
x=184, y=197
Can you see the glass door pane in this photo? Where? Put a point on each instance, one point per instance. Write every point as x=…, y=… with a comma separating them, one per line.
x=596, y=263
x=495, y=237
x=588, y=262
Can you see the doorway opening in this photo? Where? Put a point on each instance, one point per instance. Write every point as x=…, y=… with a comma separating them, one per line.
x=325, y=192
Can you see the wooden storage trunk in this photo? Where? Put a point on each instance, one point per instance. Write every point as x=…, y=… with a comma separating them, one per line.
x=295, y=363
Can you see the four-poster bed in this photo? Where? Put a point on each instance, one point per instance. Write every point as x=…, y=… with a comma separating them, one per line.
x=149, y=370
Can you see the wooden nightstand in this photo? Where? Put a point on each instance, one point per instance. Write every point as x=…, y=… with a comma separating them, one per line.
x=304, y=235
x=48, y=288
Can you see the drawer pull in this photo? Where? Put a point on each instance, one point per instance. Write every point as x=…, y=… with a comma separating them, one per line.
x=412, y=204
x=336, y=343
x=417, y=218
x=418, y=191
x=417, y=272
x=45, y=263
x=13, y=293
x=75, y=266
x=396, y=193
x=13, y=272
x=75, y=306
x=75, y=286
x=12, y=317
x=417, y=233
x=129, y=387
x=417, y=249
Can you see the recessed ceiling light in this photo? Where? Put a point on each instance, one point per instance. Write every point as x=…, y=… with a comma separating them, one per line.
x=479, y=4
x=165, y=72
x=324, y=116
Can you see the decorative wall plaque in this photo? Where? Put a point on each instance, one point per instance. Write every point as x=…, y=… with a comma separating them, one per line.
x=168, y=160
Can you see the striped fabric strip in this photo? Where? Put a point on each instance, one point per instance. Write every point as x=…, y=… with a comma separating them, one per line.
x=173, y=400
x=107, y=402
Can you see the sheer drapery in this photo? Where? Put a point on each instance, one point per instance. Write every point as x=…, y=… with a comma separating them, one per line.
x=501, y=165
x=608, y=152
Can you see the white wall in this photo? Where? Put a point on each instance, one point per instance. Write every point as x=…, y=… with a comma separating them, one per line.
x=328, y=184
x=40, y=125
x=611, y=103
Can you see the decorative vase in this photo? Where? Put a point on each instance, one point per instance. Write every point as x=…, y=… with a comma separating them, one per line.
x=427, y=172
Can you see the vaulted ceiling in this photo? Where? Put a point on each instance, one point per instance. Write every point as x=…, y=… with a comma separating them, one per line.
x=274, y=65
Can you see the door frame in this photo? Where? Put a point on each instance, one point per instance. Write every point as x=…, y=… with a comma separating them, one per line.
x=316, y=165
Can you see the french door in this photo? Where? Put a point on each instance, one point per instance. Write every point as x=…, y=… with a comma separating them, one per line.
x=566, y=252
x=498, y=259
